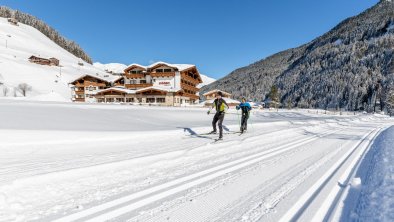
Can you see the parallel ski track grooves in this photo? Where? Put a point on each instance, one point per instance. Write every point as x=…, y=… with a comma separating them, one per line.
x=110, y=209
x=14, y=169
x=294, y=213
x=341, y=193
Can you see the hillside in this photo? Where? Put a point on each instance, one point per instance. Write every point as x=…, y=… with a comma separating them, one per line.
x=48, y=31
x=17, y=44
x=351, y=67
x=111, y=67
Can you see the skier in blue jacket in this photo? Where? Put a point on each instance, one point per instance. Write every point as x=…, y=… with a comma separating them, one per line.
x=245, y=107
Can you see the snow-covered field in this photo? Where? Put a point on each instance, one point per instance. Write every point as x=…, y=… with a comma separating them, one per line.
x=86, y=162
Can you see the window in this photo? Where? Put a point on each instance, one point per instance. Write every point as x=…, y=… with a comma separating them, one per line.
x=159, y=70
x=91, y=88
x=150, y=100
x=129, y=100
x=161, y=100
x=142, y=81
x=135, y=72
x=167, y=70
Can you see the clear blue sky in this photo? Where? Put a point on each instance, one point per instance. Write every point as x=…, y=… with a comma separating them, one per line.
x=216, y=35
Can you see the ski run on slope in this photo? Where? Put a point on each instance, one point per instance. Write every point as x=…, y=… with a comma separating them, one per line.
x=96, y=162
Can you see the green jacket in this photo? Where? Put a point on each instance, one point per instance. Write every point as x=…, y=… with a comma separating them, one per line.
x=220, y=105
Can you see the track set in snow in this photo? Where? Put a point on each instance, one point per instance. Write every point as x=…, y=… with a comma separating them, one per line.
x=289, y=166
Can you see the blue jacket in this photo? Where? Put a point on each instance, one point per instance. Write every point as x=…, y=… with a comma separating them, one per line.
x=245, y=107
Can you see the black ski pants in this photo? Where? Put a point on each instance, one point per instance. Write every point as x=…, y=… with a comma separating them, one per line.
x=244, y=121
x=218, y=118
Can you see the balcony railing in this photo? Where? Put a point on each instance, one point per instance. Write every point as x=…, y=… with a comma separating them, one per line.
x=189, y=79
x=87, y=83
x=137, y=86
x=189, y=87
x=192, y=96
x=80, y=92
x=134, y=76
x=162, y=74
x=79, y=99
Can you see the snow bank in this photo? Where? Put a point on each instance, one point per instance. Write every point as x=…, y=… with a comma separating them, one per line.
x=372, y=190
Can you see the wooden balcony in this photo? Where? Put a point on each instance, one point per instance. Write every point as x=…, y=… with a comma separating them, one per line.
x=189, y=87
x=138, y=86
x=134, y=76
x=191, y=96
x=80, y=92
x=79, y=99
x=88, y=83
x=189, y=78
x=162, y=74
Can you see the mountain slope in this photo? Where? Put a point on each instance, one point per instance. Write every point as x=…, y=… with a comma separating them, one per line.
x=350, y=67
x=17, y=44
x=48, y=31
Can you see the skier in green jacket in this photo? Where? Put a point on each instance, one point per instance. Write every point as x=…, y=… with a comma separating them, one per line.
x=221, y=107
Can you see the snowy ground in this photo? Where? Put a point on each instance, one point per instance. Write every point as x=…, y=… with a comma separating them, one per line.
x=371, y=196
x=85, y=162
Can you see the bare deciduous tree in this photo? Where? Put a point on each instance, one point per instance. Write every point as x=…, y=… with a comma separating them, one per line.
x=24, y=88
x=5, y=90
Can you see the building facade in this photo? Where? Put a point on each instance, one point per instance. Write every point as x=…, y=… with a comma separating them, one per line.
x=160, y=83
x=212, y=94
x=85, y=88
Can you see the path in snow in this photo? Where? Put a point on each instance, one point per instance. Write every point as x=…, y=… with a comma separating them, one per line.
x=371, y=195
x=132, y=170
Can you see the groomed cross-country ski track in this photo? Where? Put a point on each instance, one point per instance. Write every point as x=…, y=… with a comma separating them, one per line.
x=153, y=164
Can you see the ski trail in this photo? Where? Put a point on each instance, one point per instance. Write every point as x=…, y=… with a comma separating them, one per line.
x=183, y=184
x=294, y=213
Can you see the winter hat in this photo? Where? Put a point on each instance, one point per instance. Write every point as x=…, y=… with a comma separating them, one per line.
x=220, y=93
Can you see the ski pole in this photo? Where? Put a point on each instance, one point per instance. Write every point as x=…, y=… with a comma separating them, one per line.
x=250, y=116
x=239, y=122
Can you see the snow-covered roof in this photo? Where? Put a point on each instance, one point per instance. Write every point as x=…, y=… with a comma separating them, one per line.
x=180, y=67
x=158, y=88
x=120, y=89
x=205, y=80
x=215, y=91
x=110, y=78
x=228, y=100
x=135, y=64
